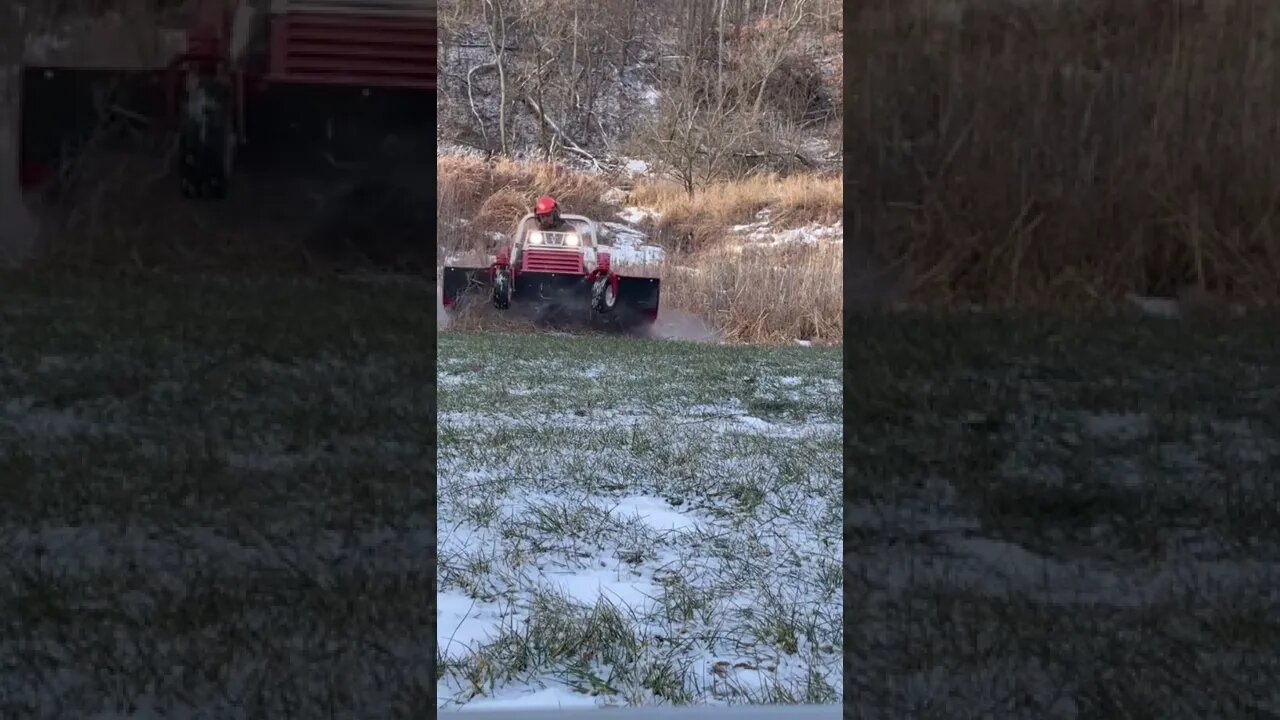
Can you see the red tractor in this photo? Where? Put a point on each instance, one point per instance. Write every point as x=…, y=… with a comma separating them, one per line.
x=319, y=80
x=566, y=276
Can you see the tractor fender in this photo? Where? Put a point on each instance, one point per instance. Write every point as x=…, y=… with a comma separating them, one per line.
x=590, y=259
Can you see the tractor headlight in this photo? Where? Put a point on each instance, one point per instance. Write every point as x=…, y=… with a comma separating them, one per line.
x=535, y=238
x=572, y=240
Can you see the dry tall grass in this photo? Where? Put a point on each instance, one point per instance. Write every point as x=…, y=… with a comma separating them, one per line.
x=492, y=196
x=699, y=221
x=762, y=296
x=1064, y=153
x=757, y=295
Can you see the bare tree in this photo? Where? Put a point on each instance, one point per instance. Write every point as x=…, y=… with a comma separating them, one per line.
x=568, y=63
x=699, y=130
x=496, y=23
x=772, y=39
x=550, y=27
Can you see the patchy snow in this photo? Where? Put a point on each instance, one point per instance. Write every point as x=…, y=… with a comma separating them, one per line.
x=553, y=698
x=1168, y=308
x=462, y=623
x=637, y=167
x=727, y=419
x=445, y=148
x=654, y=512
x=629, y=246
x=169, y=533
x=637, y=215
x=660, y=542
x=1088, y=521
x=763, y=234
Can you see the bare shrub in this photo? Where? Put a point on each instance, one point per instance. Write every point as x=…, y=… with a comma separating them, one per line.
x=701, y=130
x=1066, y=153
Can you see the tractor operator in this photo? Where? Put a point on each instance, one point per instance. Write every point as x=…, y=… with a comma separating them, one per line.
x=547, y=213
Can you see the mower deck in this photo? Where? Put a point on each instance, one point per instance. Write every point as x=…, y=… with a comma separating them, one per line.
x=556, y=297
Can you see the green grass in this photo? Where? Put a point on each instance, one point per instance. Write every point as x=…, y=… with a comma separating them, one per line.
x=215, y=496
x=1052, y=517
x=637, y=522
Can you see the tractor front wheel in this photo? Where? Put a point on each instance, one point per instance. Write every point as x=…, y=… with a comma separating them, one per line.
x=502, y=289
x=206, y=141
x=603, y=296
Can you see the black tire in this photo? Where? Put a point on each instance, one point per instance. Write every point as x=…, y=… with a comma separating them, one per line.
x=502, y=290
x=206, y=144
x=603, y=297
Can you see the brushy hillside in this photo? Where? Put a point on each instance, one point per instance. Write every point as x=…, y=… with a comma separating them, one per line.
x=1062, y=518
x=216, y=498
x=637, y=522
x=760, y=258
x=1064, y=153
x=710, y=126
x=702, y=87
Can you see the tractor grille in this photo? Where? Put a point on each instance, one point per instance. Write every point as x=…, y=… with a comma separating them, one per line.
x=371, y=43
x=551, y=261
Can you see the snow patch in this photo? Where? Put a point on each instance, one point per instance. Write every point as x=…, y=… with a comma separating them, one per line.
x=545, y=699
x=629, y=246
x=762, y=234
x=636, y=215
x=654, y=512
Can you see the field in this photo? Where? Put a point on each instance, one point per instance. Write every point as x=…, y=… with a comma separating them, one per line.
x=629, y=521
x=1052, y=518
x=215, y=498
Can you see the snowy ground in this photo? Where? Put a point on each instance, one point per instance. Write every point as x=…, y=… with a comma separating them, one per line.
x=763, y=233
x=637, y=522
x=1056, y=519
x=212, y=499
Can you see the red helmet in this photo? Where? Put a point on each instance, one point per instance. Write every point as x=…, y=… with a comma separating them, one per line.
x=546, y=206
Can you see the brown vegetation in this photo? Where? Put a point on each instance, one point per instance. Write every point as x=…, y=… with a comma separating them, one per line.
x=1067, y=153
x=740, y=85
x=689, y=223
x=762, y=295
x=492, y=196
